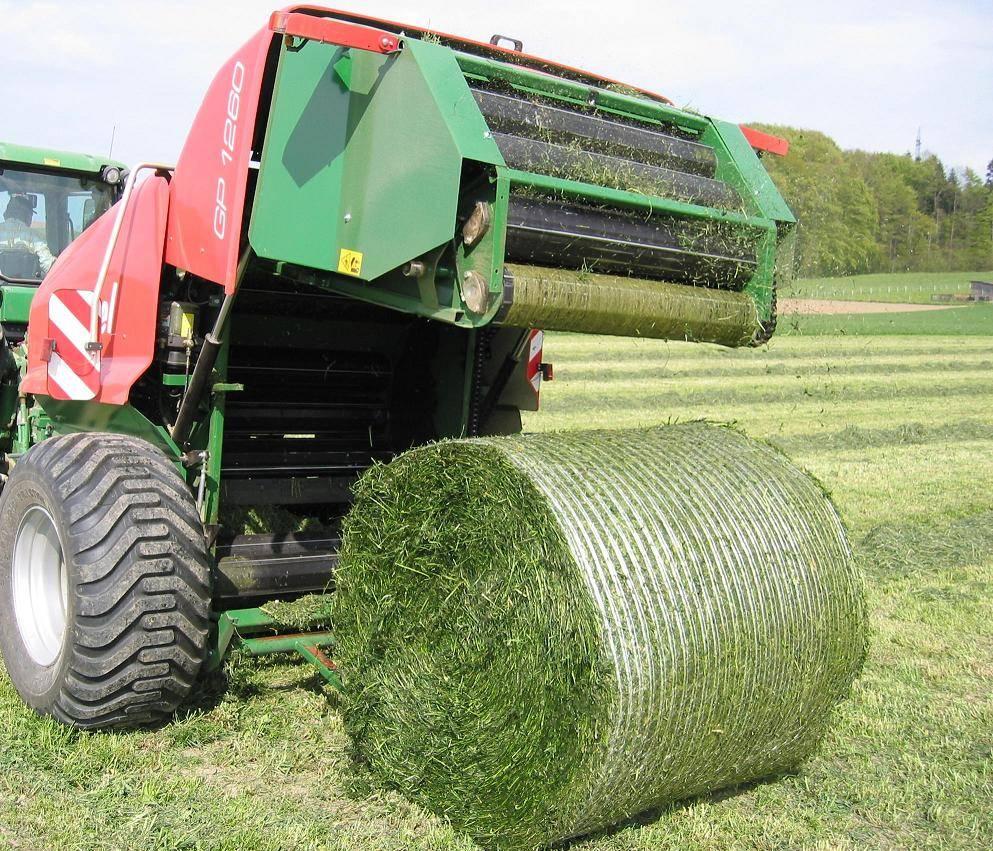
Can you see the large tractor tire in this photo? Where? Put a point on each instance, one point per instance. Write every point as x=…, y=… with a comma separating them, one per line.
x=104, y=582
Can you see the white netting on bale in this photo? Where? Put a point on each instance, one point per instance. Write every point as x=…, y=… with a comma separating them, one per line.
x=543, y=635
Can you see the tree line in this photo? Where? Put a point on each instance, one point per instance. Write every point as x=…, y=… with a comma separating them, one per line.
x=864, y=212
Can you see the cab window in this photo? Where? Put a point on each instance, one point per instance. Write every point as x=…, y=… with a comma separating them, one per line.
x=40, y=214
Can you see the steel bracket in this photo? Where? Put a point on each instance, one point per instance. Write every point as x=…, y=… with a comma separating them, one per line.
x=255, y=632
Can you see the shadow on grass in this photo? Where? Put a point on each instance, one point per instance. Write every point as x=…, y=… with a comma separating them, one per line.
x=649, y=817
x=208, y=692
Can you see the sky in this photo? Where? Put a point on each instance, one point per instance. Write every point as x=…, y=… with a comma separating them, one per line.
x=869, y=74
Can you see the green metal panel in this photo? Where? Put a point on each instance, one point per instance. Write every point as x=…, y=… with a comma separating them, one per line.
x=455, y=103
x=739, y=166
x=211, y=468
x=46, y=157
x=364, y=155
x=742, y=168
x=15, y=303
x=68, y=417
x=761, y=286
x=618, y=103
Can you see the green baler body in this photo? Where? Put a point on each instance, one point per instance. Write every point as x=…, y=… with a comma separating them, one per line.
x=378, y=139
x=351, y=337
x=372, y=161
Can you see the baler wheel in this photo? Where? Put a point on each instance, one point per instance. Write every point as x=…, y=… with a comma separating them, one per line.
x=104, y=582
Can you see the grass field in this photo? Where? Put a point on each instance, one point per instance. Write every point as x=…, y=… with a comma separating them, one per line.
x=967, y=320
x=915, y=288
x=907, y=288
x=898, y=427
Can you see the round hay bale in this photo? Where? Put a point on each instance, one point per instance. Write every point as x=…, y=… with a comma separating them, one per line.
x=543, y=635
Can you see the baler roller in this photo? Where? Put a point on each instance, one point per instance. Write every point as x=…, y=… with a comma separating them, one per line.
x=554, y=160
x=512, y=116
x=572, y=236
x=562, y=300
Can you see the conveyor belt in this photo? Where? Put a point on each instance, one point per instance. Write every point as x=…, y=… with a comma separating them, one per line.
x=516, y=117
x=268, y=567
x=604, y=170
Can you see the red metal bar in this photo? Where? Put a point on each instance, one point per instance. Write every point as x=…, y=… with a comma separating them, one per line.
x=321, y=656
x=331, y=31
x=484, y=49
x=766, y=141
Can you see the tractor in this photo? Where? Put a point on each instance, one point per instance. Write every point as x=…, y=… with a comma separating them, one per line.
x=367, y=232
x=47, y=199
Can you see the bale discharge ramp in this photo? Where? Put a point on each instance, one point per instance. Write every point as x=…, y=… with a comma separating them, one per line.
x=366, y=235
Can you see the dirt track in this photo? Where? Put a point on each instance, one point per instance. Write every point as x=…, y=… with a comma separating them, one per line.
x=823, y=307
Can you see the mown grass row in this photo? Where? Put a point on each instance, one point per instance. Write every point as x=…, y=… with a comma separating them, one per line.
x=686, y=374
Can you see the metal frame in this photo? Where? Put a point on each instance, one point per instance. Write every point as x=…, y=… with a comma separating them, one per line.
x=253, y=631
x=633, y=200
x=94, y=342
x=331, y=31
x=579, y=93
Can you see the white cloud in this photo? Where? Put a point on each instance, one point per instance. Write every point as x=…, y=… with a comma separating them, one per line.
x=50, y=33
x=868, y=74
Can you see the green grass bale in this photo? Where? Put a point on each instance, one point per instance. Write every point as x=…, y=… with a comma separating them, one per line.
x=543, y=635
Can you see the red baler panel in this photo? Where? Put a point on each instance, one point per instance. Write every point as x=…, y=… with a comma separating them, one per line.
x=208, y=191
x=58, y=363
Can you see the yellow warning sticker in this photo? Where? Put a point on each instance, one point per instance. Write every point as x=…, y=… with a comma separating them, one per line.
x=350, y=262
x=186, y=326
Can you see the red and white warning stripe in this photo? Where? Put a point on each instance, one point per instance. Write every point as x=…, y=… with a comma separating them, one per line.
x=73, y=373
x=534, y=359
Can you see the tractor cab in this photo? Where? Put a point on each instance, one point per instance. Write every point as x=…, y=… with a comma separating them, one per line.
x=47, y=199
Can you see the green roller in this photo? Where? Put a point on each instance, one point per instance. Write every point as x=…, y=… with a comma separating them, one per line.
x=563, y=300
x=542, y=635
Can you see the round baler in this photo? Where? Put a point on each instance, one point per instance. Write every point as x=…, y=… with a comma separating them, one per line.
x=300, y=357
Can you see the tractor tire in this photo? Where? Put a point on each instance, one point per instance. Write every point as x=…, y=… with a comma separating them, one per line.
x=104, y=582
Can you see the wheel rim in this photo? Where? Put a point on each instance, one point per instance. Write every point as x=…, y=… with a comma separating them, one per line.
x=40, y=586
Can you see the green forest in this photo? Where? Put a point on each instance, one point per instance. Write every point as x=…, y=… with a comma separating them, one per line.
x=865, y=212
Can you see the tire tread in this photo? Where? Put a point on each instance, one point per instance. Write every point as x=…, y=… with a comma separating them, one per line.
x=139, y=637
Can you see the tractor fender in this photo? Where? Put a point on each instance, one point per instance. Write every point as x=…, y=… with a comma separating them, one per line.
x=60, y=365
